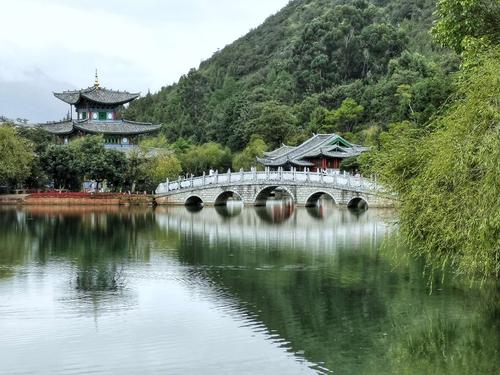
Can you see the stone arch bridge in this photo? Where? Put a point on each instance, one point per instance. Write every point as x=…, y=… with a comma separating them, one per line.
x=255, y=187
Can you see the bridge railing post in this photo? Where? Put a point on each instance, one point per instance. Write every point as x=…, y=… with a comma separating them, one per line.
x=204, y=178
x=254, y=173
x=229, y=175
x=294, y=172
x=307, y=175
x=168, y=185
x=242, y=174
x=191, y=182
x=216, y=176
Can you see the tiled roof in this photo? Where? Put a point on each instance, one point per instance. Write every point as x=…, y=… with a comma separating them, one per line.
x=331, y=145
x=279, y=151
x=301, y=163
x=100, y=127
x=61, y=128
x=116, y=127
x=96, y=94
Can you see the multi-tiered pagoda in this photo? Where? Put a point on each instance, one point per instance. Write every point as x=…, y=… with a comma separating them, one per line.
x=96, y=111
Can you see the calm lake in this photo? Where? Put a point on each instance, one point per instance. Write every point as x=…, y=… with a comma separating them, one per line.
x=275, y=290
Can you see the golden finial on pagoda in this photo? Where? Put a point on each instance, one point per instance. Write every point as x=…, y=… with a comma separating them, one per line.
x=96, y=83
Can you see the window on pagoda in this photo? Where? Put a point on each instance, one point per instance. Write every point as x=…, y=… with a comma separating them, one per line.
x=110, y=116
x=84, y=115
x=102, y=115
x=95, y=115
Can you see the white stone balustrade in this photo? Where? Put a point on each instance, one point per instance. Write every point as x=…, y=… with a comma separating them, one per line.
x=341, y=181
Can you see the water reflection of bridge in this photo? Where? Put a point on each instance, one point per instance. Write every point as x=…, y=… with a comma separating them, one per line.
x=278, y=226
x=305, y=278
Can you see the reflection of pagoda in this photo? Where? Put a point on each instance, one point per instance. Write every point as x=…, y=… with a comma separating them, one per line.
x=96, y=108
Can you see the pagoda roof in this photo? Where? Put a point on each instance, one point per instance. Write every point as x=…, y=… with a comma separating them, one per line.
x=301, y=163
x=97, y=94
x=58, y=128
x=279, y=151
x=329, y=145
x=124, y=127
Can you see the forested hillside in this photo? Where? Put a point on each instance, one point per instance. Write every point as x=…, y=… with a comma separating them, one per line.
x=315, y=66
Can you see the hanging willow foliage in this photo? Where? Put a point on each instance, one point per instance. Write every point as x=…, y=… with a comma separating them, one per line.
x=448, y=175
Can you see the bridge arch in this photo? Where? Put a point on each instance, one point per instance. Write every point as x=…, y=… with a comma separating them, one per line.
x=264, y=193
x=194, y=200
x=222, y=198
x=313, y=199
x=358, y=203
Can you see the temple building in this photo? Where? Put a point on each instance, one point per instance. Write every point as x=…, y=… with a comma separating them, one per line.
x=321, y=152
x=96, y=113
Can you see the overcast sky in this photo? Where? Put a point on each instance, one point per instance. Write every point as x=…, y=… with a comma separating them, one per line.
x=136, y=45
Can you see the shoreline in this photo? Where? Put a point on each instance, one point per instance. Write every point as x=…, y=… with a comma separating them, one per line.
x=82, y=199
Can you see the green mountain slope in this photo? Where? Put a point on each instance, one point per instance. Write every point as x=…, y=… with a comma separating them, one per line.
x=290, y=76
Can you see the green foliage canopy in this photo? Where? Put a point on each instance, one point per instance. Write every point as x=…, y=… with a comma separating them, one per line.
x=198, y=159
x=246, y=159
x=161, y=167
x=447, y=176
x=275, y=123
x=308, y=59
x=16, y=156
x=460, y=20
x=61, y=166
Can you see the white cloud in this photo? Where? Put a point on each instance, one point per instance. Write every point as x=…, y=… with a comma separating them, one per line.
x=136, y=45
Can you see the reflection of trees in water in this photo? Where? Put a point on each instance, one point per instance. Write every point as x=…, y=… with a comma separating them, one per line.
x=350, y=304
x=322, y=285
x=447, y=337
x=12, y=239
x=320, y=310
x=98, y=242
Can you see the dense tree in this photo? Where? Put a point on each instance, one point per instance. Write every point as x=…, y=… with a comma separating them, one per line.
x=91, y=158
x=136, y=173
x=344, y=44
x=275, y=123
x=160, y=141
x=246, y=159
x=447, y=176
x=15, y=157
x=198, y=159
x=230, y=125
x=161, y=167
x=118, y=165
x=69, y=165
x=459, y=20
x=61, y=166
x=345, y=117
x=39, y=140
x=305, y=60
